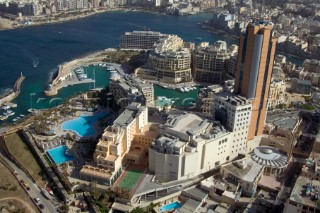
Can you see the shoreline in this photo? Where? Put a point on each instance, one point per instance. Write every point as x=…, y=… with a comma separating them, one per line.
x=66, y=19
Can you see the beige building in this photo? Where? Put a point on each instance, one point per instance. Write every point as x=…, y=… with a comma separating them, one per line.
x=170, y=62
x=205, y=98
x=210, y=62
x=126, y=141
x=131, y=89
x=277, y=93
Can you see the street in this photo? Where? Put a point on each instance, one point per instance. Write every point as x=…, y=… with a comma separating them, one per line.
x=34, y=190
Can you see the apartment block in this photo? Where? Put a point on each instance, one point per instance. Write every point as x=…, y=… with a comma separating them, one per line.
x=169, y=62
x=277, y=93
x=210, y=62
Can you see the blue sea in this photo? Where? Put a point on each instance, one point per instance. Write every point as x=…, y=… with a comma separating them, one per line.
x=54, y=44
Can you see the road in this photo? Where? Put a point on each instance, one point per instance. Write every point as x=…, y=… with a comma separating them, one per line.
x=34, y=190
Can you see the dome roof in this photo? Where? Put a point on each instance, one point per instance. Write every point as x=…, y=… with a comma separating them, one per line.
x=269, y=156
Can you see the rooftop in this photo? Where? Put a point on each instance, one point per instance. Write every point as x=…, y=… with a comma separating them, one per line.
x=236, y=100
x=269, y=156
x=248, y=172
x=285, y=121
x=306, y=192
x=128, y=115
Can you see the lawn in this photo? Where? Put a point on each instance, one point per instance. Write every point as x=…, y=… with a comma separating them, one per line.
x=11, y=192
x=130, y=179
x=21, y=151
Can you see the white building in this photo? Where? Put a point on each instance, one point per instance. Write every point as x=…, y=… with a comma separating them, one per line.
x=188, y=141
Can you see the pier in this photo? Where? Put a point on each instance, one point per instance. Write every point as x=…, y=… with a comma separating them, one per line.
x=66, y=75
x=15, y=93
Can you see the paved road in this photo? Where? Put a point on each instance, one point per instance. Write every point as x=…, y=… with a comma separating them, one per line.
x=34, y=190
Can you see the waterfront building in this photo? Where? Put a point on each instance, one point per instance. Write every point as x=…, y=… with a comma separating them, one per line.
x=276, y=93
x=169, y=62
x=254, y=68
x=126, y=141
x=187, y=141
x=140, y=40
x=131, y=89
x=210, y=62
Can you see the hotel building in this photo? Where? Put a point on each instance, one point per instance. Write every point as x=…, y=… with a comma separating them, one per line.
x=126, y=141
x=170, y=62
x=254, y=68
x=138, y=40
x=187, y=141
x=210, y=62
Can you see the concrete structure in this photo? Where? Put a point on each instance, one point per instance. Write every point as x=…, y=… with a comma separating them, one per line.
x=126, y=141
x=185, y=147
x=140, y=39
x=131, y=89
x=311, y=66
x=210, y=62
x=205, y=98
x=304, y=196
x=255, y=62
x=247, y=172
x=170, y=62
x=276, y=93
x=187, y=141
x=234, y=112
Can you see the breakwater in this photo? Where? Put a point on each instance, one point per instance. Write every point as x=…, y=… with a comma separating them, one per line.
x=15, y=92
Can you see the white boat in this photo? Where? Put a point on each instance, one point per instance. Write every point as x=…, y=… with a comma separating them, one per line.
x=22, y=115
x=3, y=117
x=6, y=107
x=186, y=89
x=181, y=89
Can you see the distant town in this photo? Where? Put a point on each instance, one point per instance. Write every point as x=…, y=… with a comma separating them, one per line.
x=235, y=129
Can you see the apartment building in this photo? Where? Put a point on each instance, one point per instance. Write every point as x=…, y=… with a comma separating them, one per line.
x=169, y=62
x=131, y=89
x=205, y=98
x=277, y=93
x=311, y=66
x=210, y=62
x=140, y=40
x=127, y=140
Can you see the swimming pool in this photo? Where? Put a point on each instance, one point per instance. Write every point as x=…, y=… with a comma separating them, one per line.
x=58, y=155
x=83, y=125
x=170, y=206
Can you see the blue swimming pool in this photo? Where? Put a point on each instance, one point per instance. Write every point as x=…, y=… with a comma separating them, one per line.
x=83, y=126
x=174, y=205
x=58, y=155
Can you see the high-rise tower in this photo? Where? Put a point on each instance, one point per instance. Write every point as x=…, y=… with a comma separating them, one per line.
x=254, y=68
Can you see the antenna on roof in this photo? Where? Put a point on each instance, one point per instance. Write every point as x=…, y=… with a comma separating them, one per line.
x=262, y=2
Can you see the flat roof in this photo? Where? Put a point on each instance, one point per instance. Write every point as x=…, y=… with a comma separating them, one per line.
x=299, y=192
x=189, y=206
x=196, y=192
x=249, y=173
x=128, y=115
